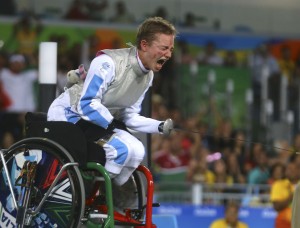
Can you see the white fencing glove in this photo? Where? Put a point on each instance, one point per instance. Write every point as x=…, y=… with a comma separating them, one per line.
x=166, y=127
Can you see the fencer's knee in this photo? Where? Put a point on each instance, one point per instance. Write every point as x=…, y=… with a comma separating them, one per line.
x=137, y=151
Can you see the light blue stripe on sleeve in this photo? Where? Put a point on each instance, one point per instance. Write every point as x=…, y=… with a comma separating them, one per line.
x=71, y=116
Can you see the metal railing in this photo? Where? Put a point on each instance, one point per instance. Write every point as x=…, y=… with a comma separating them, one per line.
x=214, y=194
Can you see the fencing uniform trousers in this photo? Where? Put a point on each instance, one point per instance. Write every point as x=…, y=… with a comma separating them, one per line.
x=124, y=153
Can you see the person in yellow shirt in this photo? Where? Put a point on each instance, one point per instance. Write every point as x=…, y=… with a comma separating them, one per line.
x=286, y=63
x=199, y=172
x=282, y=194
x=25, y=33
x=230, y=219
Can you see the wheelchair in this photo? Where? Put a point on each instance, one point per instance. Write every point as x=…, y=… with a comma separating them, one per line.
x=55, y=177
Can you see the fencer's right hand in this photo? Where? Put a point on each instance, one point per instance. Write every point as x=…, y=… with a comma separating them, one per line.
x=166, y=127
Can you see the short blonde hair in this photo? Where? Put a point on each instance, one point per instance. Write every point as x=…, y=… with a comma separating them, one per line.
x=152, y=26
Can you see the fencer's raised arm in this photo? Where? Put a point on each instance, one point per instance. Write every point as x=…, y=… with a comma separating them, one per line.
x=166, y=127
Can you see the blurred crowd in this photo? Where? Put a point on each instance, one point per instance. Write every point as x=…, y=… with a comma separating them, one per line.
x=223, y=161
x=219, y=155
x=97, y=11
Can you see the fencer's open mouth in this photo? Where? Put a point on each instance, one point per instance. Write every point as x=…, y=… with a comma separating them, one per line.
x=161, y=61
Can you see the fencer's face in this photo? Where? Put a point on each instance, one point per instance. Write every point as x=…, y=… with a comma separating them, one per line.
x=154, y=55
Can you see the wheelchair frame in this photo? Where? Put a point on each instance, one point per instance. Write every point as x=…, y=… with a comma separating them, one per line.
x=110, y=217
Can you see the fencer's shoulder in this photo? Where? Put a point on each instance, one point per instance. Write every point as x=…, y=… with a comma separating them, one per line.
x=103, y=61
x=102, y=57
x=112, y=56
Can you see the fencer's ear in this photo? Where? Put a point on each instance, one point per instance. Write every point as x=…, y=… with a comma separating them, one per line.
x=144, y=45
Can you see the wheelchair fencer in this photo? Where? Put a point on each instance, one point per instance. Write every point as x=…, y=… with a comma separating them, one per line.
x=55, y=177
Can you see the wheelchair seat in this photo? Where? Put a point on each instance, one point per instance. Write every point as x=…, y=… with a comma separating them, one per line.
x=67, y=135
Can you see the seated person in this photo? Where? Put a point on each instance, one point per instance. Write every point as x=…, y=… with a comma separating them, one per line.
x=113, y=91
x=230, y=219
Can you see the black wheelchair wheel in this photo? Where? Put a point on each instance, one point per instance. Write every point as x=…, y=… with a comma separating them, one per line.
x=64, y=207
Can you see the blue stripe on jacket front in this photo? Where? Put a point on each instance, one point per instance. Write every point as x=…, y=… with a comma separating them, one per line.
x=85, y=102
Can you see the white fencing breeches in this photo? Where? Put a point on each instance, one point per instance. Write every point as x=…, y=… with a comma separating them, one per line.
x=124, y=153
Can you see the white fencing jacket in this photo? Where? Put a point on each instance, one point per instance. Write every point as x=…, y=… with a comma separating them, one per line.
x=115, y=87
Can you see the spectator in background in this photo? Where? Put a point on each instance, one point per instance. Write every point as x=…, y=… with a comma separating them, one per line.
x=261, y=58
x=230, y=59
x=260, y=174
x=190, y=20
x=172, y=155
x=286, y=64
x=183, y=54
x=18, y=84
x=221, y=139
x=250, y=161
x=238, y=145
x=209, y=55
x=158, y=111
x=221, y=174
x=282, y=195
x=77, y=11
x=158, y=108
x=276, y=172
x=282, y=152
x=296, y=159
x=121, y=14
x=95, y=9
x=4, y=98
x=161, y=12
x=296, y=143
x=230, y=219
x=198, y=171
x=234, y=169
x=26, y=32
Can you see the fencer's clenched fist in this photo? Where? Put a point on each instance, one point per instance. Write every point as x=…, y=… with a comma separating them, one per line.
x=166, y=127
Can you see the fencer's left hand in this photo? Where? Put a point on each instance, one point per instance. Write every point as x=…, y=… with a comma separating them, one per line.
x=166, y=127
